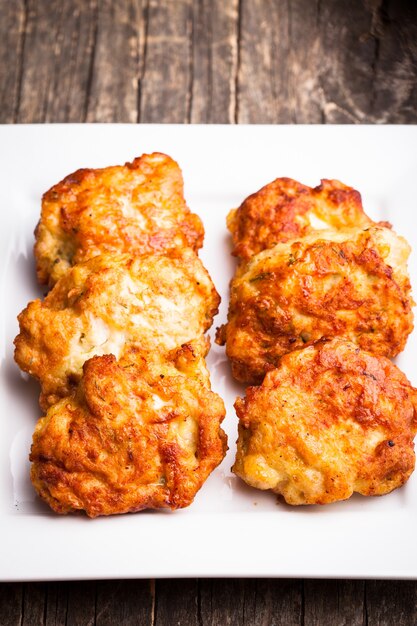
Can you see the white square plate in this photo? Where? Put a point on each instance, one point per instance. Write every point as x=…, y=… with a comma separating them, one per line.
x=230, y=530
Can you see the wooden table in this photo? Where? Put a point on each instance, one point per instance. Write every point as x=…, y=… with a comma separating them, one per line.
x=231, y=61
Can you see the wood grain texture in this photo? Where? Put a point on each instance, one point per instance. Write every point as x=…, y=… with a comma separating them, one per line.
x=265, y=602
x=391, y=602
x=165, y=94
x=214, y=62
x=209, y=61
x=344, y=600
x=34, y=605
x=247, y=602
x=127, y=602
x=11, y=599
x=344, y=62
x=376, y=58
x=12, y=37
x=176, y=602
x=57, y=49
x=81, y=603
x=118, y=44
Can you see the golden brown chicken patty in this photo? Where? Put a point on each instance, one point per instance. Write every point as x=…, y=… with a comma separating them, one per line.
x=351, y=283
x=107, y=304
x=134, y=208
x=134, y=436
x=329, y=421
x=285, y=209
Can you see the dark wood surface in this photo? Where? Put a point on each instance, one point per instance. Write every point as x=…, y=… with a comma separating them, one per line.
x=209, y=61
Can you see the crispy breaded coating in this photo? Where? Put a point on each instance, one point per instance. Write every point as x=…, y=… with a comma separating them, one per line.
x=352, y=283
x=331, y=420
x=108, y=304
x=134, y=208
x=285, y=209
x=134, y=436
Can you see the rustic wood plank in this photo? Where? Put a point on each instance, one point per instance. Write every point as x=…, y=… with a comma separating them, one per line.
x=348, y=76
x=191, y=55
x=81, y=606
x=128, y=602
x=12, y=33
x=114, y=84
x=370, y=48
x=222, y=601
x=56, y=59
x=257, y=84
x=264, y=602
x=211, y=602
x=298, y=64
x=277, y=602
x=370, y=77
x=165, y=86
x=176, y=602
x=56, y=604
x=391, y=602
x=295, y=62
x=66, y=603
x=280, y=61
x=394, y=98
x=11, y=603
x=214, y=63
x=34, y=604
x=336, y=602
x=344, y=62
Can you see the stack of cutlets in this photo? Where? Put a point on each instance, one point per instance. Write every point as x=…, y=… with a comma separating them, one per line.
x=118, y=344
x=320, y=299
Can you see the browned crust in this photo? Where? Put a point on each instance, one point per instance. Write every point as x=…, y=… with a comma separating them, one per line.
x=110, y=449
x=280, y=212
x=136, y=208
x=317, y=289
x=54, y=333
x=119, y=247
x=329, y=421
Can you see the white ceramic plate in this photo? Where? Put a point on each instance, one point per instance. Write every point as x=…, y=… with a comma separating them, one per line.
x=230, y=530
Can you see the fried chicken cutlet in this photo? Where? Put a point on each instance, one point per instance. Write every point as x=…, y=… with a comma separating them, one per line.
x=331, y=420
x=285, y=209
x=134, y=208
x=135, y=435
x=155, y=302
x=351, y=282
